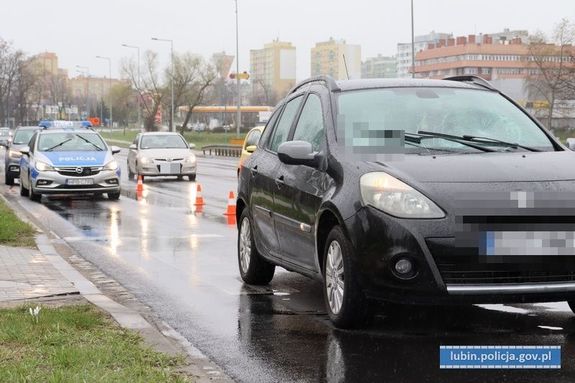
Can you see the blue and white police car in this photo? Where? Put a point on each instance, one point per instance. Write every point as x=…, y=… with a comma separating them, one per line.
x=68, y=157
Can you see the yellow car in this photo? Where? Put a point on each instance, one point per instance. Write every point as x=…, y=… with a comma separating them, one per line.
x=250, y=144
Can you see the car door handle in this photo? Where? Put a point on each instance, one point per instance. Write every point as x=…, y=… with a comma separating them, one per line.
x=280, y=182
x=254, y=170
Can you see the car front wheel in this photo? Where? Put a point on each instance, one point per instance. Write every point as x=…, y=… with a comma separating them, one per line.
x=32, y=194
x=23, y=191
x=254, y=269
x=345, y=302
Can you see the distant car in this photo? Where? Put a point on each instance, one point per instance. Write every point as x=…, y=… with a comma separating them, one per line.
x=12, y=156
x=161, y=154
x=68, y=159
x=250, y=144
x=5, y=136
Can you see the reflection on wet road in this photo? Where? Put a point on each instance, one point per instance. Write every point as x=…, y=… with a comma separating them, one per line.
x=183, y=265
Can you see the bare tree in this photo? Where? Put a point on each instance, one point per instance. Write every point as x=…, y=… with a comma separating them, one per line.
x=553, y=66
x=151, y=92
x=10, y=64
x=193, y=77
x=262, y=94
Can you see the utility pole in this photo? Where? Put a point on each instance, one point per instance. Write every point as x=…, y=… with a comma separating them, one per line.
x=86, y=72
x=110, y=87
x=238, y=82
x=412, y=45
x=171, y=80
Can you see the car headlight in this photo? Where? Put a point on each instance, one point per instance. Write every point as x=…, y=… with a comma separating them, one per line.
x=396, y=198
x=112, y=165
x=43, y=167
x=191, y=159
x=145, y=160
x=14, y=154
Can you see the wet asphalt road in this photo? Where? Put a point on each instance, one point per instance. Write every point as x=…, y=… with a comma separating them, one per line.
x=183, y=265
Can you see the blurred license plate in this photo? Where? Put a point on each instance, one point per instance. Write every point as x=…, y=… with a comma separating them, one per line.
x=504, y=243
x=173, y=168
x=80, y=181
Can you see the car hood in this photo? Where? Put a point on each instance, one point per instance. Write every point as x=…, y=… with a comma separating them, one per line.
x=165, y=153
x=485, y=167
x=492, y=183
x=97, y=158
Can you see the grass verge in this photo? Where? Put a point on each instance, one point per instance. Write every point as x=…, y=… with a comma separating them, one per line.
x=13, y=231
x=198, y=138
x=77, y=344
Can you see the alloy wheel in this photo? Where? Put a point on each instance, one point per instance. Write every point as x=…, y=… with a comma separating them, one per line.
x=334, y=277
x=245, y=245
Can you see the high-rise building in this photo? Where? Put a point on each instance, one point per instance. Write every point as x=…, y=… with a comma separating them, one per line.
x=404, y=51
x=273, y=70
x=327, y=58
x=505, y=60
x=379, y=67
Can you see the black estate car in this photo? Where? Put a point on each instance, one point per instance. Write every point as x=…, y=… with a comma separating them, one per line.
x=409, y=191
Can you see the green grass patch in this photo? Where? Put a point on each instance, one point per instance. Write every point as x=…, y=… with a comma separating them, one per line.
x=13, y=231
x=77, y=344
x=198, y=138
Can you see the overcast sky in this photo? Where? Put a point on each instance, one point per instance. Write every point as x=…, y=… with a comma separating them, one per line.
x=79, y=30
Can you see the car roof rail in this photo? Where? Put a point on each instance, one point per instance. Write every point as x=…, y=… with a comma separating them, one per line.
x=328, y=80
x=475, y=80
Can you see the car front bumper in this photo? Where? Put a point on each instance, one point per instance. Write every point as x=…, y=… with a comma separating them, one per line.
x=445, y=271
x=178, y=168
x=52, y=182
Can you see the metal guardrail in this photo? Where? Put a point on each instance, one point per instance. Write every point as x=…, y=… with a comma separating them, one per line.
x=223, y=150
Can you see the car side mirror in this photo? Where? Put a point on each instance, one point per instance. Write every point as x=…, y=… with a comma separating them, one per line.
x=251, y=148
x=298, y=153
x=115, y=149
x=25, y=150
x=191, y=145
x=571, y=143
x=132, y=147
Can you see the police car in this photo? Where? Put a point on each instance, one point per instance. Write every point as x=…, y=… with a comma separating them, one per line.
x=68, y=157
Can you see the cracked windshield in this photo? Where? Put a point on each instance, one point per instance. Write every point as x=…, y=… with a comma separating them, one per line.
x=268, y=191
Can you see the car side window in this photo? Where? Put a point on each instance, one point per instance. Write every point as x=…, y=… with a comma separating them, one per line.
x=310, y=126
x=136, y=140
x=32, y=142
x=283, y=126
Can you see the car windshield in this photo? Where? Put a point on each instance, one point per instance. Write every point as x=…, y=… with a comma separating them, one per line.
x=4, y=132
x=162, y=141
x=376, y=121
x=23, y=136
x=70, y=142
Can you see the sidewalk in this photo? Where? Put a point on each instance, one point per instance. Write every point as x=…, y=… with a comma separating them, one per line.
x=27, y=274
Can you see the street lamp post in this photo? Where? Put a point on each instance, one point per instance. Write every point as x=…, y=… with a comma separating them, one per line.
x=109, y=88
x=139, y=84
x=412, y=45
x=86, y=72
x=171, y=80
x=238, y=112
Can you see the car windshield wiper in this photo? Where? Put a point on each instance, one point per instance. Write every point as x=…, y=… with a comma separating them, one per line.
x=58, y=145
x=480, y=140
x=90, y=142
x=417, y=137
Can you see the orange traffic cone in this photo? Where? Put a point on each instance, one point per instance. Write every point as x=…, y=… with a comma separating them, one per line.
x=199, y=198
x=140, y=184
x=231, y=219
x=231, y=210
x=139, y=188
